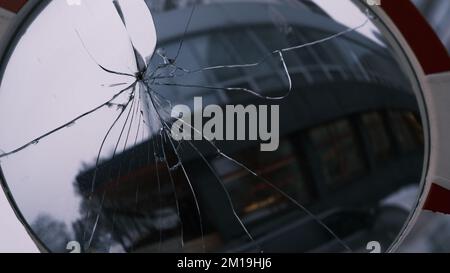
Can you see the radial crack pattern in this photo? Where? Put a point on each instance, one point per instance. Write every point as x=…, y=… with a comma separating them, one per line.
x=148, y=116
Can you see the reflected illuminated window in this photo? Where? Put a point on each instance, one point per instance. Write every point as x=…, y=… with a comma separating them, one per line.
x=339, y=152
x=379, y=141
x=406, y=130
x=256, y=200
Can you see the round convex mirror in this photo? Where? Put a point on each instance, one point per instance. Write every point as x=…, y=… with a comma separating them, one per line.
x=209, y=126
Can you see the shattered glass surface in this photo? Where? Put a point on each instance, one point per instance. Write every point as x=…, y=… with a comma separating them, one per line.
x=89, y=156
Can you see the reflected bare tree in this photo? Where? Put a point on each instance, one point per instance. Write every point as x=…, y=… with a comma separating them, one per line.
x=54, y=234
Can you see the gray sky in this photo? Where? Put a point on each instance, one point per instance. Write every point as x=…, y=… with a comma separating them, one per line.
x=51, y=79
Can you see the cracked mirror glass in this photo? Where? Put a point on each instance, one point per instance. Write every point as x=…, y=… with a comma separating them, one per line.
x=209, y=126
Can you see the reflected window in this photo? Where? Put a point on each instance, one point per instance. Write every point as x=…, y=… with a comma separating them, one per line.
x=321, y=51
x=379, y=141
x=405, y=127
x=220, y=53
x=256, y=200
x=339, y=152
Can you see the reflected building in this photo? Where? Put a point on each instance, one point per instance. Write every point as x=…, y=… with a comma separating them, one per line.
x=350, y=136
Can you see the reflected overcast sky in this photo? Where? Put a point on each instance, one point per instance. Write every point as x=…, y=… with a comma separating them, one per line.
x=51, y=79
